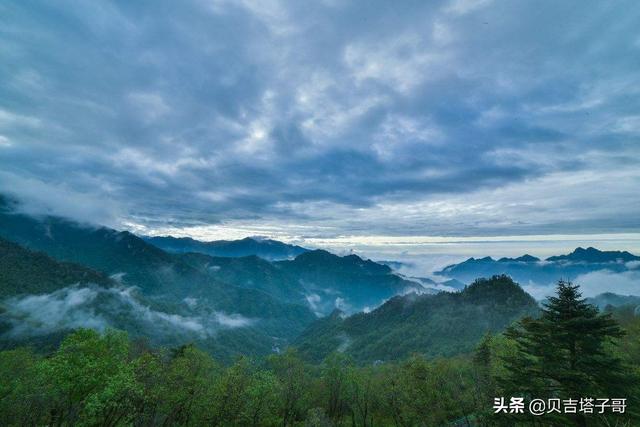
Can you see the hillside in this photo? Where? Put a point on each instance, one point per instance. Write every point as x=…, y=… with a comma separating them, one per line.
x=245, y=320
x=319, y=279
x=250, y=272
x=607, y=299
x=435, y=325
x=348, y=283
x=316, y=279
x=27, y=272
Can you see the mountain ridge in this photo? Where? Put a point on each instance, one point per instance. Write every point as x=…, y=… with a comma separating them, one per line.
x=529, y=269
x=272, y=250
x=444, y=324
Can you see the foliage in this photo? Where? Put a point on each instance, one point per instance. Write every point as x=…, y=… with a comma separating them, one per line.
x=26, y=272
x=439, y=325
x=567, y=353
x=107, y=380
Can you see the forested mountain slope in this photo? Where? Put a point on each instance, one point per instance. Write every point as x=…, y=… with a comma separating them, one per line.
x=435, y=325
x=27, y=272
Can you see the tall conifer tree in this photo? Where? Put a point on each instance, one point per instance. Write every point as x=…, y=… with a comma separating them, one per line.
x=567, y=353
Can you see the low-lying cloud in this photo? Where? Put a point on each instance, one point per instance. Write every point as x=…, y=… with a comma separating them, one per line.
x=100, y=308
x=67, y=308
x=594, y=283
x=232, y=320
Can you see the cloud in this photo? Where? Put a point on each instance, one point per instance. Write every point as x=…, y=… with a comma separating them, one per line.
x=462, y=7
x=86, y=204
x=342, y=305
x=150, y=106
x=99, y=308
x=450, y=118
x=232, y=320
x=42, y=314
x=594, y=283
x=632, y=265
x=597, y=282
x=314, y=301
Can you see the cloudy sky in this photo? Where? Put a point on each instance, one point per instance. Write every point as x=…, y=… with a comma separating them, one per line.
x=325, y=119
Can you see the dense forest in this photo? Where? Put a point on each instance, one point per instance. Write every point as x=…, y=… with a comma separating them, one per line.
x=569, y=350
x=441, y=325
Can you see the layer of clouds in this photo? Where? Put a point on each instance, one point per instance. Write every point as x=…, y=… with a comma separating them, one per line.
x=597, y=282
x=593, y=284
x=99, y=308
x=446, y=117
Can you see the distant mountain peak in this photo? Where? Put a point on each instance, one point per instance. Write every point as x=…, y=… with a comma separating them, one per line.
x=321, y=257
x=594, y=255
x=529, y=269
x=527, y=258
x=523, y=258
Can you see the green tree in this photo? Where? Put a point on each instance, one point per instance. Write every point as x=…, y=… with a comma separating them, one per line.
x=362, y=394
x=261, y=407
x=186, y=392
x=334, y=384
x=89, y=380
x=231, y=393
x=294, y=385
x=566, y=353
x=21, y=403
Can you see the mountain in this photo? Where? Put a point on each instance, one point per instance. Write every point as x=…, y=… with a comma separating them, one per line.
x=320, y=279
x=610, y=299
x=232, y=305
x=523, y=258
x=436, y=325
x=348, y=283
x=250, y=272
x=264, y=248
x=27, y=272
x=593, y=255
x=529, y=269
x=100, y=248
x=245, y=320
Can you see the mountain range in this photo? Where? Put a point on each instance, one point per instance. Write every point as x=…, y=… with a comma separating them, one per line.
x=57, y=275
x=228, y=305
x=529, y=269
x=268, y=249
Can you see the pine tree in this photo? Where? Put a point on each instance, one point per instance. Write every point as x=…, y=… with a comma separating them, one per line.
x=566, y=353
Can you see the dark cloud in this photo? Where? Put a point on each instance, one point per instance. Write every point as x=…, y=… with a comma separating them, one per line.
x=459, y=117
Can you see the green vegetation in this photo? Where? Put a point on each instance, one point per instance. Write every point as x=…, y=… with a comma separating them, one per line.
x=566, y=353
x=445, y=324
x=107, y=380
x=26, y=272
x=163, y=281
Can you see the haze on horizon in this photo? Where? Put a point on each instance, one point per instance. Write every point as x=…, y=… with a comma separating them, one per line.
x=333, y=123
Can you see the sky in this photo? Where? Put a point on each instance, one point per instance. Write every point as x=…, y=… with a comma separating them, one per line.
x=332, y=122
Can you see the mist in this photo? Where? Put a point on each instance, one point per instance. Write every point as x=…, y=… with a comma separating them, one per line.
x=100, y=308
